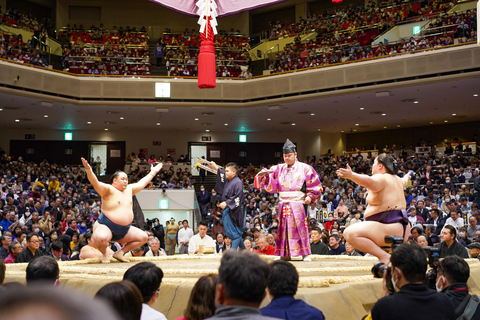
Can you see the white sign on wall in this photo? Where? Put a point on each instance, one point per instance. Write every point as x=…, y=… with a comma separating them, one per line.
x=215, y=154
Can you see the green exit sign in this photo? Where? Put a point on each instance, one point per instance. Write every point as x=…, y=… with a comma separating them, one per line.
x=242, y=138
x=163, y=204
x=68, y=136
x=417, y=29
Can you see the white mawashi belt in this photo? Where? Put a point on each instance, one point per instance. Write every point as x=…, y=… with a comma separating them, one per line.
x=291, y=196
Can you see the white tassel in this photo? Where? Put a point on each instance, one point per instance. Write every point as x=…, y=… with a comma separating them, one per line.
x=207, y=9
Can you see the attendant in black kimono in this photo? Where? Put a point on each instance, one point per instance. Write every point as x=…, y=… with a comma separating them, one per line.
x=230, y=187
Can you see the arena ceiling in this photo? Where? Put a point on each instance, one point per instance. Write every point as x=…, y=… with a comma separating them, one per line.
x=408, y=106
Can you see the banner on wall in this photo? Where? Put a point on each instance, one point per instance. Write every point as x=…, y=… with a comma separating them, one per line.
x=215, y=154
x=115, y=153
x=171, y=151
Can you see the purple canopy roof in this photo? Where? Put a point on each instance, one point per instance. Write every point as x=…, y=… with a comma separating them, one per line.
x=224, y=7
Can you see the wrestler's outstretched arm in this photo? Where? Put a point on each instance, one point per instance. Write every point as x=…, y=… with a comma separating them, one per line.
x=101, y=188
x=406, y=177
x=374, y=183
x=140, y=185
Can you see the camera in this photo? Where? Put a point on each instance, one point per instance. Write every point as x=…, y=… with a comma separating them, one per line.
x=379, y=269
x=433, y=260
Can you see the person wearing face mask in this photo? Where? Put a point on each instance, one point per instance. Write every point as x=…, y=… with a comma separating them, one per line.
x=452, y=276
x=82, y=227
x=408, y=268
x=214, y=197
x=203, y=198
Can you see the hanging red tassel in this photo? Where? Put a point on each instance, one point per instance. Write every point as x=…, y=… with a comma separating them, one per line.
x=206, y=66
x=206, y=58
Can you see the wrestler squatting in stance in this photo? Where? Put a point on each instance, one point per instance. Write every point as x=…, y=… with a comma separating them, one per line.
x=386, y=200
x=114, y=223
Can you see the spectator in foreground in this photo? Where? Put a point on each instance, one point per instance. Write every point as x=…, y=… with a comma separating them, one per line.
x=31, y=251
x=147, y=277
x=449, y=245
x=43, y=269
x=45, y=302
x=409, y=265
x=201, y=239
x=452, y=276
x=201, y=304
x=264, y=247
x=15, y=248
x=242, y=279
x=124, y=297
x=474, y=250
x=336, y=248
x=317, y=246
x=282, y=286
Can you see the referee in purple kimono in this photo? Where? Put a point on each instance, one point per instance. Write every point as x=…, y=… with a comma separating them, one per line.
x=230, y=187
x=297, y=185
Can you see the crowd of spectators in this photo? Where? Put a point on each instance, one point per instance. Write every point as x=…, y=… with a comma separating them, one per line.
x=348, y=35
x=49, y=209
x=231, y=52
x=57, y=204
x=19, y=20
x=381, y=16
x=97, y=51
x=14, y=48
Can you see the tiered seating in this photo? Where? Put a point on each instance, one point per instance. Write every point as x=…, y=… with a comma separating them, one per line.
x=19, y=20
x=350, y=41
x=13, y=48
x=182, y=51
x=115, y=52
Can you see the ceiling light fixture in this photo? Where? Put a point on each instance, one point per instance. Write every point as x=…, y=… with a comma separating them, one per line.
x=293, y=124
x=45, y=116
x=475, y=95
x=16, y=120
x=362, y=108
x=106, y=129
x=357, y=124
x=454, y=114
x=158, y=123
x=384, y=114
x=207, y=130
x=122, y=118
x=196, y=119
x=269, y=119
x=89, y=122
x=415, y=101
